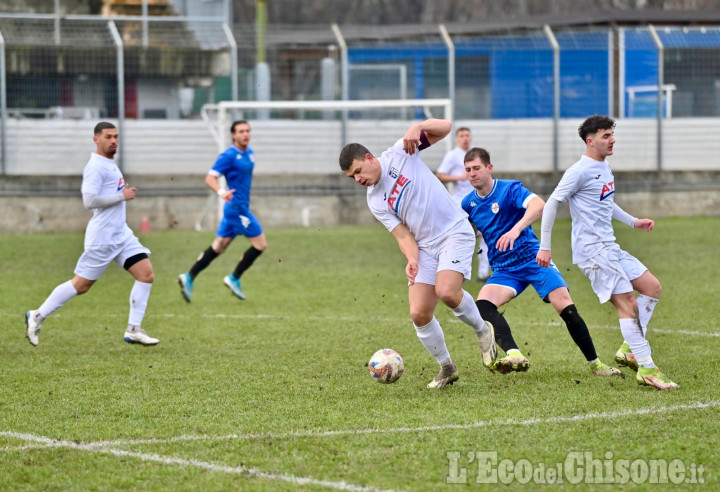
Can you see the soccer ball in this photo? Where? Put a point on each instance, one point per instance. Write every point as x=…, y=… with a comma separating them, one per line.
x=386, y=366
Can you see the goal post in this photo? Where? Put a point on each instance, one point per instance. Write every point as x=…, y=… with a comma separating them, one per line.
x=219, y=124
x=317, y=130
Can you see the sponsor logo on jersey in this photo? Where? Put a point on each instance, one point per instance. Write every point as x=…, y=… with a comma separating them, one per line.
x=607, y=190
x=473, y=204
x=121, y=184
x=495, y=207
x=397, y=192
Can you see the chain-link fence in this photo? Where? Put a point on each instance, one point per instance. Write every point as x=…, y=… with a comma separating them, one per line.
x=83, y=67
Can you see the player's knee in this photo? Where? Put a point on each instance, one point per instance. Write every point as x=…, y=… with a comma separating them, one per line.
x=448, y=295
x=82, y=288
x=420, y=317
x=655, y=290
x=146, y=277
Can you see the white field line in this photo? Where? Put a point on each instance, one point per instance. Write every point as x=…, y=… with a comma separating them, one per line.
x=46, y=442
x=381, y=320
x=473, y=425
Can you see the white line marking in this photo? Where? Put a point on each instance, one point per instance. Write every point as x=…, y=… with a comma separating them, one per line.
x=473, y=425
x=167, y=460
x=377, y=320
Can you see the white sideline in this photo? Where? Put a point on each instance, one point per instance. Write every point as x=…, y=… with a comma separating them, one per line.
x=472, y=425
x=168, y=460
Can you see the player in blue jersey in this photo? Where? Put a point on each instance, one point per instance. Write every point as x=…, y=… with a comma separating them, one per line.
x=236, y=164
x=503, y=210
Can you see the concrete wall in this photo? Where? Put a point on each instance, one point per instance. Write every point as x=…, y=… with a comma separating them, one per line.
x=155, y=147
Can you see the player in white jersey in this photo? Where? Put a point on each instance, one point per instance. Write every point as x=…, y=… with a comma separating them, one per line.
x=614, y=274
x=107, y=239
x=452, y=170
x=433, y=234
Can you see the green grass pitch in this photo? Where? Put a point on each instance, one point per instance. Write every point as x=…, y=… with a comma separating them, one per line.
x=273, y=394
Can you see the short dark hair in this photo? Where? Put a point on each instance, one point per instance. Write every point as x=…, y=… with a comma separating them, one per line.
x=462, y=129
x=238, y=122
x=351, y=152
x=594, y=124
x=103, y=125
x=476, y=152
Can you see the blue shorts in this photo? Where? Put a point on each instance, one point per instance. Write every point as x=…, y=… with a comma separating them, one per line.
x=544, y=280
x=236, y=223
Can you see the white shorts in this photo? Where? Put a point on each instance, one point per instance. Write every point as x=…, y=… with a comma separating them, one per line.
x=95, y=259
x=452, y=252
x=611, y=271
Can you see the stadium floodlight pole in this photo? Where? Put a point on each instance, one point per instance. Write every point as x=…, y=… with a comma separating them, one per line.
x=3, y=106
x=451, y=63
x=556, y=95
x=344, y=78
x=121, y=91
x=233, y=60
x=660, y=77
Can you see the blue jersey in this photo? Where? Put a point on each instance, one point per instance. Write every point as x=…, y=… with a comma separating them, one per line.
x=237, y=167
x=495, y=214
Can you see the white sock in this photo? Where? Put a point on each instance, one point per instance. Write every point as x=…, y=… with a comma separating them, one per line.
x=433, y=339
x=57, y=299
x=138, y=302
x=646, y=306
x=467, y=312
x=630, y=328
x=646, y=362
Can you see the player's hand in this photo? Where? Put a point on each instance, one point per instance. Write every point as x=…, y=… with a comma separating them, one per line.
x=645, y=224
x=507, y=240
x=411, y=140
x=411, y=271
x=544, y=257
x=128, y=193
x=228, y=195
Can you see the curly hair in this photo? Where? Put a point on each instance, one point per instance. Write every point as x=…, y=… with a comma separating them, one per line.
x=594, y=124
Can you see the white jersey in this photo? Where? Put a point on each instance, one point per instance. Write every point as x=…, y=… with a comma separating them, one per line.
x=454, y=164
x=409, y=193
x=590, y=187
x=107, y=225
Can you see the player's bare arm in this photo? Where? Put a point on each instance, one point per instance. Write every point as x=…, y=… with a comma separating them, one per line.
x=448, y=178
x=533, y=213
x=435, y=130
x=409, y=248
x=213, y=183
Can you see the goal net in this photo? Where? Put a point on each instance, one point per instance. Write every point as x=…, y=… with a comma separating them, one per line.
x=305, y=137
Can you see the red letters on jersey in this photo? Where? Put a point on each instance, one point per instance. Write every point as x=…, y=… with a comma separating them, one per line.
x=607, y=190
x=397, y=192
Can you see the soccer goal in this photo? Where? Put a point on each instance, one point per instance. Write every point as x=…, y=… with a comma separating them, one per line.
x=305, y=137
